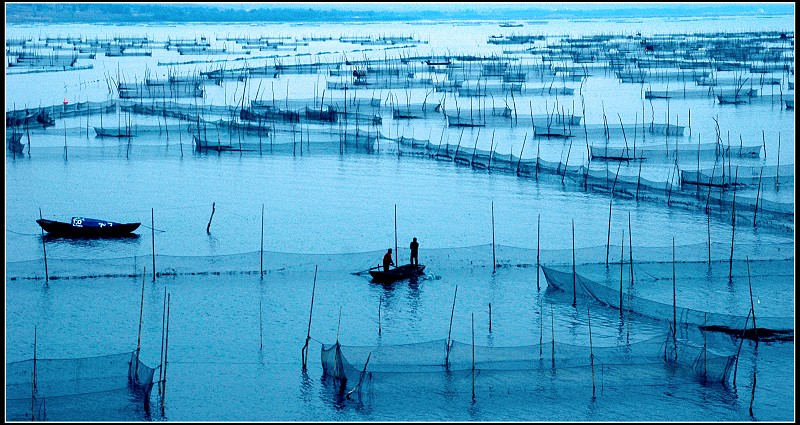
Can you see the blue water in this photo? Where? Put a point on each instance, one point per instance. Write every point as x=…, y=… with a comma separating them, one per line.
x=235, y=339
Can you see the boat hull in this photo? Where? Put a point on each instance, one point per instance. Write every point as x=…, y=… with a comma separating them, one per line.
x=399, y=273
x=67, y=229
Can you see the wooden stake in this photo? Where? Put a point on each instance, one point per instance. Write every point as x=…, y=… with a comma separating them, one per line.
x=260, y=326
x=139, y=339
x=395, y=236
x=473, y=356
x=621, y=261
x=490, y=317
x=778, y=172
x=758, y=195
x=380, y=301
x=752, y=307
x=213, y=208
x=261, y=266
x=153, y=238
x=494, y=257
x=674, y=299
x=553, y=336
x=591, y=351
x=733, y=223
x=608, y=242
x=163, y=324
x=166, y=351
x=538, y=233
x=630, y=245
x=741, y=340
x=44, y=248
x=450, y=330
x=304, y=351
x=574, y=292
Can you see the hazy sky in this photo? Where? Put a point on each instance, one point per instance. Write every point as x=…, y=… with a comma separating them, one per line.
x=455, y=6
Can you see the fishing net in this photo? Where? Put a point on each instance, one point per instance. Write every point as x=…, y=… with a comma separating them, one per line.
x=111, y=387
x=436, y=366
x=651, y=293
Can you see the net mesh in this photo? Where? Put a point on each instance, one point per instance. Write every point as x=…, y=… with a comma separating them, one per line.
x=435, y=365
x=110, y=387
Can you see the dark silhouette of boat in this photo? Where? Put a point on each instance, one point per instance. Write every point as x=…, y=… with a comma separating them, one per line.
x=87, y=228
x=398, y=273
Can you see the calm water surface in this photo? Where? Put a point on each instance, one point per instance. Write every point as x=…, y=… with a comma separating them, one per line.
x=235, y=339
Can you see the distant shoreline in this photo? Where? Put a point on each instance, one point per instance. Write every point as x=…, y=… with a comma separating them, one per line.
x=138, y=13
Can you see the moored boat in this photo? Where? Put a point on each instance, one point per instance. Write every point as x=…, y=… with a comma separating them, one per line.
x=87, y=227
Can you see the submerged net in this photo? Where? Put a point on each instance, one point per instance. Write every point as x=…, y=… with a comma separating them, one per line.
x=434, y=366
x=111, y=387
x=654, y=299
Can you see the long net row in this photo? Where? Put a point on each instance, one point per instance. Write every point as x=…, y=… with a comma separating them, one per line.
x=424, y=366
x=110, y=387
x=775, y=317
x=469, y=257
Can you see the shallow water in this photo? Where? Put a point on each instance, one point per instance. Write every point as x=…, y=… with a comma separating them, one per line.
x=339, y=211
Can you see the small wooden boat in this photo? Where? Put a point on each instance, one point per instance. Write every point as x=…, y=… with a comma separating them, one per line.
x=403, y=272
x=87, y=228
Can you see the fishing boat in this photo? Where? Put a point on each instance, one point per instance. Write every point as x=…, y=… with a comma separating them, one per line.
x=398, y=273
x=87, y=228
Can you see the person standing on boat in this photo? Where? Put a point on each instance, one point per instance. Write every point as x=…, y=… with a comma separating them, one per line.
x=414, y=252
x=387, y=260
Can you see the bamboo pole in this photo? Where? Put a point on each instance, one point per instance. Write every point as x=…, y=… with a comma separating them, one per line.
x=494, y=257
x=574, y=292
x=139, y=338
x=260, y=326
x=395, y=236
x=490, y=317
x=608, y=241
x=450, y=330
x=261, y=264
x=674, y=295
x=44, y=248
x=166, y=351
x=473, y=356
x=708, y=221
x=553, y=336
x=33, y=377
x=630, y=245
x=752, y=307
x=758, y=195
x=778, y=169
x=621, y=262
x=591, y=350
x=541, y=326
x=741, y=340
x=733, y=224
x=380, y=301
x=153, y=238
x=213, y=208
x=161, y=356
x=538, y=233
x=304, y=351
